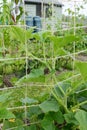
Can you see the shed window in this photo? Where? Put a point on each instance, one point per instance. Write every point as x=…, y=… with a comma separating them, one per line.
x=38, y=10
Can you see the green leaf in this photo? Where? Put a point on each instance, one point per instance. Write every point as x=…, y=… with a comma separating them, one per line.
x=64, y=86
x=32, y=127
x=60, y=42
x=19, y=128
x=82, y=68
x=5, y=97
x=5, y=114
x=81, y=117
x=21, y=34
x=47, y=123
x=36, y=75
x=8, y=124
x=70, y=118
x=49, y=105
x=45, y=35
x=18, y=33
x=34, y=110
x=63, y=41
x=29, y=33
x=42, y=36
x=28, y=100
x=59, y=51
x=58, y=117
x=36, y=36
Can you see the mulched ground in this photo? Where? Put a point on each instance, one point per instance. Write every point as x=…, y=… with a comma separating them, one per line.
x=82, y=57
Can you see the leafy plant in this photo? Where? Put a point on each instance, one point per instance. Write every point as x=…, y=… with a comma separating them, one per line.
x=62, y=99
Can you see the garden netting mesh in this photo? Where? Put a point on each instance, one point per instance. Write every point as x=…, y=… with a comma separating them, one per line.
x=33, y=63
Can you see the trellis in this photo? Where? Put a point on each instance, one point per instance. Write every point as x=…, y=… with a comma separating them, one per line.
x=72, y=55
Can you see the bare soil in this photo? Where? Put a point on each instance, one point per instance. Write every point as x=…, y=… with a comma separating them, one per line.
x=82, y=57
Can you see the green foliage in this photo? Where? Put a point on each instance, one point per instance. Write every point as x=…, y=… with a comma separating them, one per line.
x=5, y=114
x=21, y=34
x=50, y=105
x=47, y=123
x=63, y=41
x=12, y=123
x=82, y=68
x=28, y=101
x=70, y=118
x=81, y=117
x=5, y=15
x=36, y=75
x=5, y=97
x=58, y=104
x=58, y=117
